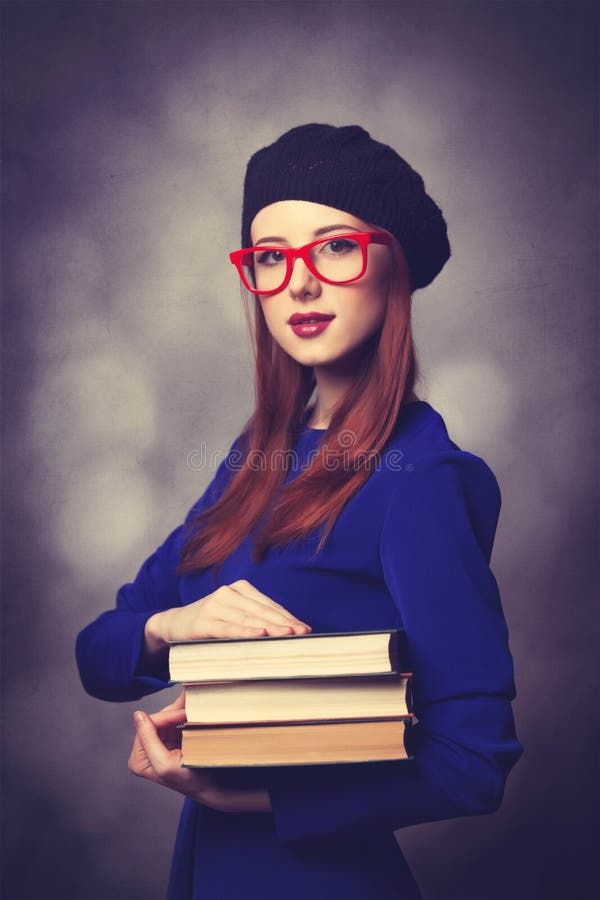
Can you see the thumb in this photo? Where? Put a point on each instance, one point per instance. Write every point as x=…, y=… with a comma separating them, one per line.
x=154, y=748
x=179, y=703
x=143, y=723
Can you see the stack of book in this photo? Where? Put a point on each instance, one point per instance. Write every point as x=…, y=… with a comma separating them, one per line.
x=333, y=697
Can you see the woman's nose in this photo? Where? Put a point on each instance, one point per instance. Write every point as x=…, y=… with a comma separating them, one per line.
x=302, y=280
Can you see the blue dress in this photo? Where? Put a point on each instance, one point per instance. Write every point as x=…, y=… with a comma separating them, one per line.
x=410, y=549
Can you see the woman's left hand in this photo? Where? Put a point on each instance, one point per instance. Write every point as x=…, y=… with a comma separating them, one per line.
x=156, y=755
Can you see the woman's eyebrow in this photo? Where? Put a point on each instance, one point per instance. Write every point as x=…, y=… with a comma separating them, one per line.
x=316, y=233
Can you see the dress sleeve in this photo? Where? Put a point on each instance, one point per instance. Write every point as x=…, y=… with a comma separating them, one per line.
x=109, y=650
x=435, y=549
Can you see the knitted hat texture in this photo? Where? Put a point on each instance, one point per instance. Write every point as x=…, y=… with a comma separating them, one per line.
x=345, y=168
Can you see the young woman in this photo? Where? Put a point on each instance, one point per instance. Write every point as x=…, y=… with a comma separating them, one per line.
x=375, y=519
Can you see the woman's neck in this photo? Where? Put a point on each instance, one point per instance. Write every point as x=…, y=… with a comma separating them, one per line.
x=331, y=387
x=320, y=414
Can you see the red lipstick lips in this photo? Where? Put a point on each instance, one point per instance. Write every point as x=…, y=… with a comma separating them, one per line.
x=297, y=318
x=309, y=324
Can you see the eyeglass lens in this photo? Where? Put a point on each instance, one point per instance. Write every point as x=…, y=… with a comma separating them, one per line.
x=337, y=260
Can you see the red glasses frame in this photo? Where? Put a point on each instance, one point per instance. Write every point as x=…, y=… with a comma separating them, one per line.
x=292, y=253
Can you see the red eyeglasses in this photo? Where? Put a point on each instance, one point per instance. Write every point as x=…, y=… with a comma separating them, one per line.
x=335, y=260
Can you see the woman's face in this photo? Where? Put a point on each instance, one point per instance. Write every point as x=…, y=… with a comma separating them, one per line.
x=358, y=308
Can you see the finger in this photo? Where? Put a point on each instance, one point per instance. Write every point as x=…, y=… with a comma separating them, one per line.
x=246, y=617
x=153, y=747
x=138, y=762
x=179, y=703
x=167, y=716
x=134, y=754
x=221, y=629
x=252, y=599
x=247, y=590
x=230, y=630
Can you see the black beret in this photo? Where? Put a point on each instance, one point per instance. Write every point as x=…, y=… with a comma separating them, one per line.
x=345, y=168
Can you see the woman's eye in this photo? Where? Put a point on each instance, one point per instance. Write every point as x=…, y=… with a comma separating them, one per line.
x=337, y=247
x=269, y=257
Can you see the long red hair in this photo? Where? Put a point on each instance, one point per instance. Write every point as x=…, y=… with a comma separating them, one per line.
x=359, y=429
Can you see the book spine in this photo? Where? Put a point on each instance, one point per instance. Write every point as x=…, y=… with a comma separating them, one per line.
x=398, y=651
x=393, y=648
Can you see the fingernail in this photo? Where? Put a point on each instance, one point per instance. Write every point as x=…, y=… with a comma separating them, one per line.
x=138, y=716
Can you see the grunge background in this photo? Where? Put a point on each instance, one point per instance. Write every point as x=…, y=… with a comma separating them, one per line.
x=127, y=372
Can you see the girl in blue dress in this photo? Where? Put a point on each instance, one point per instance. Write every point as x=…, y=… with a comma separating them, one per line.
x=342, y=505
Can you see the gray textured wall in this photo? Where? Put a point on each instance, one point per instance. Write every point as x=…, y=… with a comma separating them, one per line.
x=126, y=129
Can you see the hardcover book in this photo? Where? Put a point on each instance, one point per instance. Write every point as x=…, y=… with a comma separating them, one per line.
x=327, y=654
x=295, y=743
x=363, y=697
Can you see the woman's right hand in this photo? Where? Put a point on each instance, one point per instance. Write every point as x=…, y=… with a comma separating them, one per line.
x=234, y=610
